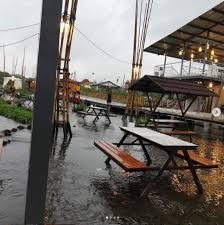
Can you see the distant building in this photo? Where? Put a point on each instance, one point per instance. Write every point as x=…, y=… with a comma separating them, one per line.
x=86, y=83
x=17, y=82
x=106, y=84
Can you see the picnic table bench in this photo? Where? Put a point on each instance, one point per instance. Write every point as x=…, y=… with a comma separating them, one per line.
x=124, y=160
x=170, y=123
x=174, y=147
x=97, y=112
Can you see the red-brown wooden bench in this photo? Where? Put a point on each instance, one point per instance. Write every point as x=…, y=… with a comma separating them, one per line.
x=198, y=159
x=123, y=159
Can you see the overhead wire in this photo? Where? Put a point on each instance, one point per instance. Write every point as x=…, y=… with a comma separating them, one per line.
x=84, y=35
x=20, y=41
x=100, y=49
x=19, y=28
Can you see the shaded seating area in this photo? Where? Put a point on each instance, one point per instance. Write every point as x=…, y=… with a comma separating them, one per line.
x=173, y=147
x=170, y=86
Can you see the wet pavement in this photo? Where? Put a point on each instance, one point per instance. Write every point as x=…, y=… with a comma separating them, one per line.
x=81, y=190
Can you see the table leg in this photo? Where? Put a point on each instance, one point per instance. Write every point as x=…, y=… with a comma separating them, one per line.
x=145, y=152
x=193, y=172
x=107, y=116
x=86, y=112
x=118, y=145
x=164, y=167
x=97, y=117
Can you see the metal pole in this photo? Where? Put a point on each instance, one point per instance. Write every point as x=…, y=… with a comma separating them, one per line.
x=189, y=72
x=206, y=53
x=164, y=66
x=182, y=61
x=42, y=128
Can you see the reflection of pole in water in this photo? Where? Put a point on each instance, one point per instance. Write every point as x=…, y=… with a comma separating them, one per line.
x=55, y=181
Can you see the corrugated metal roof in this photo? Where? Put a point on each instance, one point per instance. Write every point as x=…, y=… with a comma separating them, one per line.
x=195, y=34
x=170, y=85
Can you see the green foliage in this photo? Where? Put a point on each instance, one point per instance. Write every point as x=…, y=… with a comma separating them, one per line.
x=23, y=92
x=141, y=120
x=19, y=114
x=79, y=107
x=118, y=91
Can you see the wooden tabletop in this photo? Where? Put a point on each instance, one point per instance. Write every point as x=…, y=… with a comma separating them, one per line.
x=159, y=139
x=97, y=108
x=167, y=121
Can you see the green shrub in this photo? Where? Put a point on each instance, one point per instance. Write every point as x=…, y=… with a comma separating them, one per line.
x=141, y=120
x=79, y=107
x=19, y=114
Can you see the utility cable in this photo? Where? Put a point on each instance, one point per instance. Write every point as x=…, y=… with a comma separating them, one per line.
x=19, y=28
x=20, y=41
x=85, y=36
x=100, y=49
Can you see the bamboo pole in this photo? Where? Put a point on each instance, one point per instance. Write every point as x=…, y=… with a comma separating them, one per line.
x=143, y=11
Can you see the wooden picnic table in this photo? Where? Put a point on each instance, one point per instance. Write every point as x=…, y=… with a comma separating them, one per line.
x=173, y=146
x=97, y=112
x=171, y=124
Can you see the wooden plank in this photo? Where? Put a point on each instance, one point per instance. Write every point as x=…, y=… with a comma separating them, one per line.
x=197, y=159
x=131, y=163
x=161, y=140
x=86, y=113
x=180, y=132
x=123, y=159
x=167, y=121
x=98, y=108
x=153, y=126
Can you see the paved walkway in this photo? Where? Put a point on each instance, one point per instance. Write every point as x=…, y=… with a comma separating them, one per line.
x=190, y=115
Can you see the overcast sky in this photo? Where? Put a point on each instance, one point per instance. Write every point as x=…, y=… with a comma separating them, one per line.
x=109, y=23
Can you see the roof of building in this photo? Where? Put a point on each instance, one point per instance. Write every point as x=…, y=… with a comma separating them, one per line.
x=107, y=84
x=170, y=85
x=195, y=34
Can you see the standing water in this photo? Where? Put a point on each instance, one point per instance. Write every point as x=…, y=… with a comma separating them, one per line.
x=81, y=190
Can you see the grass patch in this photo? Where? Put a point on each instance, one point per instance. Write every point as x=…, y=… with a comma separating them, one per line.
x=80, y=107
x=141, y=120
x=19, y=114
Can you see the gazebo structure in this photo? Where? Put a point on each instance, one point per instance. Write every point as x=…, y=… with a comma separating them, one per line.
x=166, y=86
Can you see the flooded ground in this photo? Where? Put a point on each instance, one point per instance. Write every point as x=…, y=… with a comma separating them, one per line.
x=81, y=190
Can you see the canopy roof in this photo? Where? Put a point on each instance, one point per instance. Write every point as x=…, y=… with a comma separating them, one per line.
x=169, y=85
x=208, y=26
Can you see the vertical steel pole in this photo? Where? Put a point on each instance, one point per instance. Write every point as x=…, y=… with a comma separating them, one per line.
x=42, y=128
x=189, y=72
x=182, y=60
x=164, y=66
x=206, y=53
